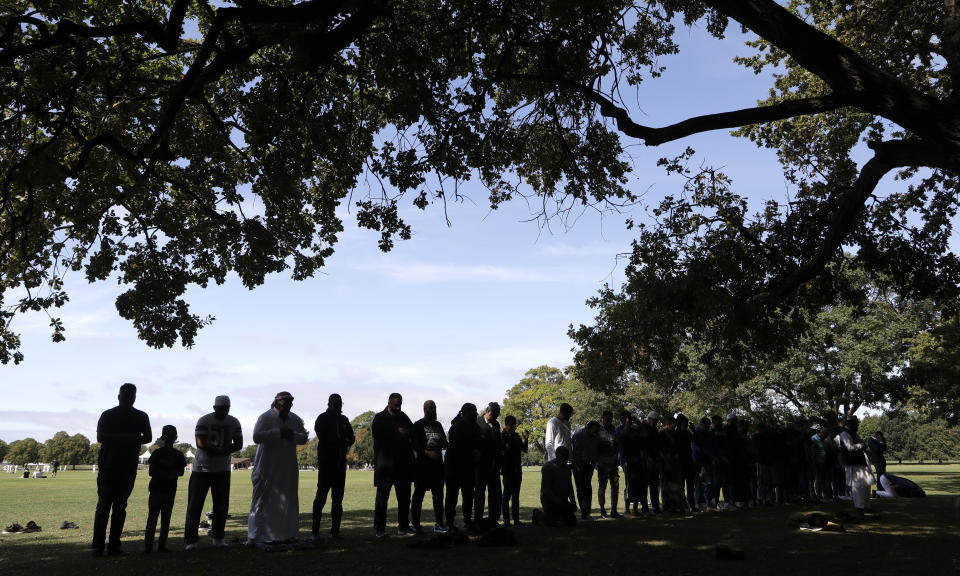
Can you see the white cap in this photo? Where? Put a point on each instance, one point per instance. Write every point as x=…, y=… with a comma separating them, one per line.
x=732, y=416
x=222, y=401
x=653, y=415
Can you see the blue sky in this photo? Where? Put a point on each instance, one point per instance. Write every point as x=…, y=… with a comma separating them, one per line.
x=456, y=314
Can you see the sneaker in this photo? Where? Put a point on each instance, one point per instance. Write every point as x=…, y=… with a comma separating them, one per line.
x=417, y=530
x=336, y=535
x=32, y=527
x=408, y=531
x=219, y=543
x=440, y=528
x=616, y=515
x=381, y=534
x=13, y=529
x=192, y=546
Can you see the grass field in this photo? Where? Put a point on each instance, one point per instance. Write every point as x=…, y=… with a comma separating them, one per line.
x=904, y=537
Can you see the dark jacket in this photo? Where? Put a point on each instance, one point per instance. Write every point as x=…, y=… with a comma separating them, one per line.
x=334, y=437
x=514, y=445
x=491, y=455
x=393, y=459
x=463, y=448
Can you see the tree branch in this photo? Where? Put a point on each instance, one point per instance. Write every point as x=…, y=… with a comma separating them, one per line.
x=656, y=136
x=888, y=156
x=950, y=43
x=846, y=72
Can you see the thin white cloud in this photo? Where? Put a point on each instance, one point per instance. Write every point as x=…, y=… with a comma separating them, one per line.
x=566, y=250
x=42, y=425
x=353, y=374
x=416, y=273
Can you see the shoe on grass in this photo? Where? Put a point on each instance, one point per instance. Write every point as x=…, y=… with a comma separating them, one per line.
x=32, y=527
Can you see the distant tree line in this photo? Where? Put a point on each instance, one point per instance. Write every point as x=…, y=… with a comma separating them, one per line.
x=912, y=436
x=67, y=449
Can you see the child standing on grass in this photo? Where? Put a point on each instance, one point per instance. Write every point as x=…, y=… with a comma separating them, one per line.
x=166, y=465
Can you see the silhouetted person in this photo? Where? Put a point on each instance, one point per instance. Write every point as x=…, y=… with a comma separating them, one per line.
x=650, y=453
x=334, y=438
x=393, y=464
x=878, y=449
x=735, y=489
x=767, y=442
x=430, y=441
x=121, y=432
x=628, y=442
x=275, y=505
x=556, y=490
x=671, y=477
x=688, y=471
x=608, y=470
x=218, y=435
x=585, y=445
x=488, y=468
x=705, y=456
x=855, y=462
x=166, y=466
x=818, y=451
x=514, y=445
x=463, y=452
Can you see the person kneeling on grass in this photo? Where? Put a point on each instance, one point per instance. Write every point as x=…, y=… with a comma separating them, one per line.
x=556, y=490
x=166, y=466
x=899, y=487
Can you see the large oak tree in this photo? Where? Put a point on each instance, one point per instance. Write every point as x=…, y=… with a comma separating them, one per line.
x=171, y=143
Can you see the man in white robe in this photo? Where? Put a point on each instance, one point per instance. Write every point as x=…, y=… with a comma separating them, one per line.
x=275, y=510
x=855, y=463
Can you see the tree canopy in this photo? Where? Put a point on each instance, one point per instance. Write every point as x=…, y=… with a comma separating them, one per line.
x=361, y=452
x=537, y=398
x=867, y=347
x=24, y=451
x=66, y=449
x=167, y=144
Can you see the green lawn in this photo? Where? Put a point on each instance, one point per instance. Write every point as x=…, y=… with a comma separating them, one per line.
x=908, y=537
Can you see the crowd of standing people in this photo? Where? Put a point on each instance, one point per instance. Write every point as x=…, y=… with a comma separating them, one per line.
x=668, y=467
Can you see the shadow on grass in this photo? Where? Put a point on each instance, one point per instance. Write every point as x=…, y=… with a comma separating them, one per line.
x=904, y=537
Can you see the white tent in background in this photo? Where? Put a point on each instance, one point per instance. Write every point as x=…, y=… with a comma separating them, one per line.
x=190, y=454
x=145, y=456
